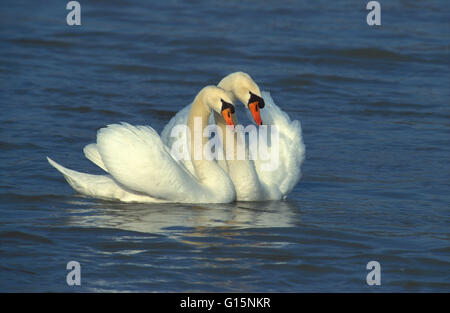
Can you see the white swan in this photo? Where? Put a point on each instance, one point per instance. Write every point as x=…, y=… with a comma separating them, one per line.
x=142, y=168
x=250, y=181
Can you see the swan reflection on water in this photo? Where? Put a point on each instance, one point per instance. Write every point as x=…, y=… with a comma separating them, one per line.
x=176, y=218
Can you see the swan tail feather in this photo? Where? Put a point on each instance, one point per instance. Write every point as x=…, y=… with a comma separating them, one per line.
x=80, y=182
x=99, y=186
x=92, y=154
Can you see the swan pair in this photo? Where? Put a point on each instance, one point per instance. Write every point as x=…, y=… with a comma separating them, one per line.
x=140, y=167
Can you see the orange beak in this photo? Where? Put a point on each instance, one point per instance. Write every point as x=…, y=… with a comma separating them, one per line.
x=254, y=109
x=228, y=116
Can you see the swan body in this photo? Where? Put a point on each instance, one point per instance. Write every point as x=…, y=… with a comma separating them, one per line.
x=141, y=167
x=281, y=181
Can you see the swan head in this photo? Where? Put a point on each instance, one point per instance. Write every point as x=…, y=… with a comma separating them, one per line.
x=220, y=101
x=244, y=88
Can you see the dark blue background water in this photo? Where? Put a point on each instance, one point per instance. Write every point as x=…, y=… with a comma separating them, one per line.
x=374, y=108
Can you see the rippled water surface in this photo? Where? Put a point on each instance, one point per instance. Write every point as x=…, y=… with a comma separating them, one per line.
x=374, y=108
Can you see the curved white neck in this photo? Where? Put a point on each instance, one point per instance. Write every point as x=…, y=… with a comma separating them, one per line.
x=242, y=172
x=209, y=173
x=228, y=83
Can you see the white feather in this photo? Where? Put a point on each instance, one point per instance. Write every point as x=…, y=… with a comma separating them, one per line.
x=92, y=154
x=136, y=157
x=100, y=186
x=280, y=181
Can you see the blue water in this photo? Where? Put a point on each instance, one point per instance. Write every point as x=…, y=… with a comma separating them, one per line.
x=374, y=107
